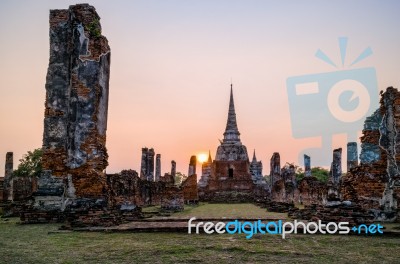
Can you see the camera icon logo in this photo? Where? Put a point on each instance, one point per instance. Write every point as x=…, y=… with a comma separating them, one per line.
x=325, y=104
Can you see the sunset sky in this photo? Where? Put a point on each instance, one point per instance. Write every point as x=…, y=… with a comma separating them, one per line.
x=172, y=63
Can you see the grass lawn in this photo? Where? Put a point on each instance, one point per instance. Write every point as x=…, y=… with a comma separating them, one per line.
x=244, y=210
x=33, y=244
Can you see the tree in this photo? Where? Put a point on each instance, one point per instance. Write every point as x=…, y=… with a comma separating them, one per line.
x=179, y=178
x=30, y=164
x=320, y=173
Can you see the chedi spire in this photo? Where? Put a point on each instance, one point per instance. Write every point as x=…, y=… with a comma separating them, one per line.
x=231, y=134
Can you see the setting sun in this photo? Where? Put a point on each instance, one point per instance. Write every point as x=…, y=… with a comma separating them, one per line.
x=202, y=157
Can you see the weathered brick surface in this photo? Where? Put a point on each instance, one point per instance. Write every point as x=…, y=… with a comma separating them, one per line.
x=205, y=172
x=374, y=184
x=220, y=180
x=335, y=176
x=8, y=179
x=76, y=104
x=1, y=189
x=275, y=168
x=283, y=191
x=23, y=187
x=230, y=171
x=256, y=169
x=127, y=189
x=284, y=187
x=352, y=155
x=189, y=187
x=307, y=165
x=172, y=199
x=311, y=191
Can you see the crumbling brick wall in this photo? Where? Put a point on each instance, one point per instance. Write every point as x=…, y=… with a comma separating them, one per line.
x=374, y=183
x=284, y=191
x=310, y=191
x=23, y=187
x=240, y=180
x=1, y=189
x=190, y=192
x=127, y=188
x=284, y=187
x=172, y=199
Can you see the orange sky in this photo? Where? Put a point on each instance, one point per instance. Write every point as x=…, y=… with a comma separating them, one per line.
x=172, y=63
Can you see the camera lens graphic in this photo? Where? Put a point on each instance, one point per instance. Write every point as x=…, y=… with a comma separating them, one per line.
x=339, y=109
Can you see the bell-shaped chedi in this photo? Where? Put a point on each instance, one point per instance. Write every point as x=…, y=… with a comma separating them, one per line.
x=77, y=88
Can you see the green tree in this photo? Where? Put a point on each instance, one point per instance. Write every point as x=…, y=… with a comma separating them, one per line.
x=299, y=173
x=30, y=165
x=179, y=178
x=320, y=173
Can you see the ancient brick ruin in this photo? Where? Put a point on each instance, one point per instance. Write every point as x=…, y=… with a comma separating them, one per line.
x=75, y=187
x=307, y=165
x=228, y=177
x=1, y=189
x=75, y=122
x=192, y=165
x=157, y=176
x=14, y=190
x=335, y=176
x=275, y=168
x=189, y=185
x=256, y=169
x=352, y=155
x=369, y=190
x=128, y=190
x=205, y=171
x=147, y=164
x=8, y=183
x=374, y=184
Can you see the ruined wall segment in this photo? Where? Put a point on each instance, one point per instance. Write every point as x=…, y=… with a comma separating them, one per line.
x=256, y=169
x=275, y=168
x=307, y=166
x=374, y=184
x=8, y=183
x=157, y=176
x=150, y=165
x=352, y=155
x=192, y=165
x=189, y=189
x=173, y=168
x=205, y=171
x=77, y=88
x=335, y=176
x=2, y=189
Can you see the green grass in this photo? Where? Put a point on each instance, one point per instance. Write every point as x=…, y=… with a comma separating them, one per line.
x=151, y=209
x=33, y=244
x=227, y=210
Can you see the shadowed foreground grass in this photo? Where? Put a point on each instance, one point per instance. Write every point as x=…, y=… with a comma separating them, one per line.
x=33, y=244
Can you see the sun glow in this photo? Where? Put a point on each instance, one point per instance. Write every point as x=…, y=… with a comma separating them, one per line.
x=202, y=157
